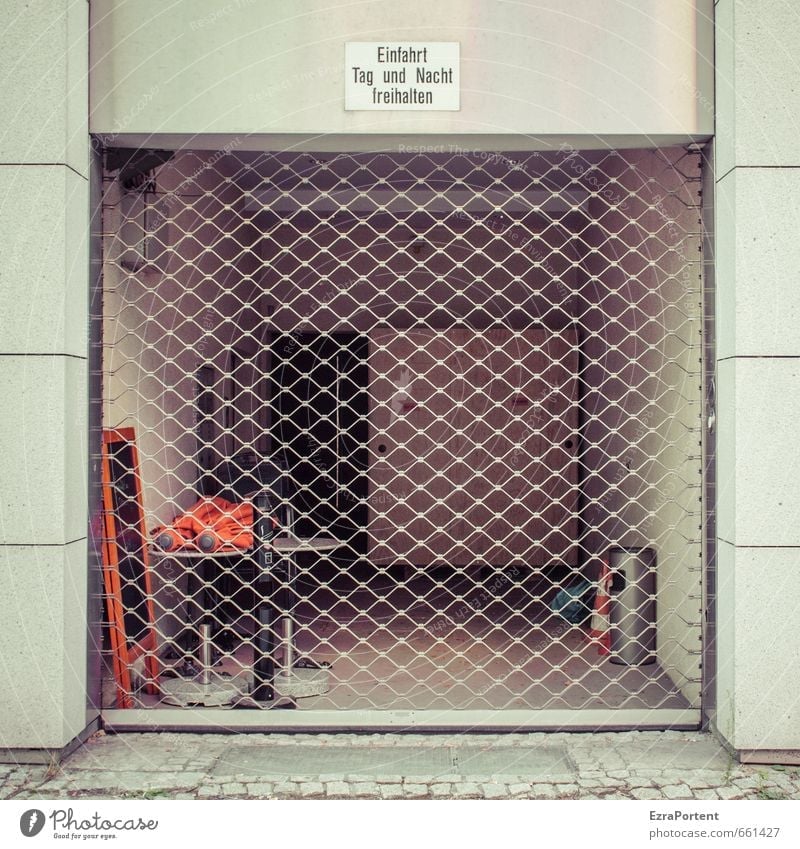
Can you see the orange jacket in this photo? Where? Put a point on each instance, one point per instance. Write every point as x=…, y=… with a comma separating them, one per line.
x=209, y=525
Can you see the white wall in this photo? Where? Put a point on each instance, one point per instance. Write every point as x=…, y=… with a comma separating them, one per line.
x=641, y=323
x=324, y=273
x=166, y=319
x=44, y=222
x=535, y=68
x=758, y=374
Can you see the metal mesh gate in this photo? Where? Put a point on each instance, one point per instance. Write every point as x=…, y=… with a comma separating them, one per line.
x=467, y=381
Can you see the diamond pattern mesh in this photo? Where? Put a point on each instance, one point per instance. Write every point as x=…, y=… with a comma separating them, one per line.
x=476, y=373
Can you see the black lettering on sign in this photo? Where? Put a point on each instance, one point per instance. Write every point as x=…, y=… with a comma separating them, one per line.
x=395, y=76
x=362, y=76
x=428, y=77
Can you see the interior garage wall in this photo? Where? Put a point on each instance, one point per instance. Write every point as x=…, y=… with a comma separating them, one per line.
x=322, y=281
x=188, y=306
x=641, y=319
x=340, y=272
x=213, y=276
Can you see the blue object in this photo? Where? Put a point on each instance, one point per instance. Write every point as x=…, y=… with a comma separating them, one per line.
x=574, y=603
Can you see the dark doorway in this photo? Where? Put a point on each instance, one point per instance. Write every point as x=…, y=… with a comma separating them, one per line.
x=318, y=391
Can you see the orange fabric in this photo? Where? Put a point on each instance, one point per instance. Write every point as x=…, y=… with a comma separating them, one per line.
x=224, y=523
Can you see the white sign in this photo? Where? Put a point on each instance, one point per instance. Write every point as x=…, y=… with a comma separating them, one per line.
x=402, y=76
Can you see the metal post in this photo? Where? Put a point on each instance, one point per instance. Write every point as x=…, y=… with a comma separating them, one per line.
x=205, y=654
x=264, y=643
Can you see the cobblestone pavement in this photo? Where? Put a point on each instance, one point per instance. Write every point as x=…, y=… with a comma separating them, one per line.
x=626, y=765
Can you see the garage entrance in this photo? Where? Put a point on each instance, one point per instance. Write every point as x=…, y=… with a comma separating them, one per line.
x=470, y=384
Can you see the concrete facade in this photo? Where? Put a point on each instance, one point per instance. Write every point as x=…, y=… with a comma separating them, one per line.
x=538, y=69
x=758, y=372
x=44, y=216
x=239, y=72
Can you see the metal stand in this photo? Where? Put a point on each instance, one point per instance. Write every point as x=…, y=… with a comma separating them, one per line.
x=198, y=684
x=205, y=688
x=298, y=678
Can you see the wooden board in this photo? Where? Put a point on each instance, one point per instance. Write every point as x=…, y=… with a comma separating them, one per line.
x=126, y=566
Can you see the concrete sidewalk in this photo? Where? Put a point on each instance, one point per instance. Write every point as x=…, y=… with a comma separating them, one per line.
x=625, y=765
